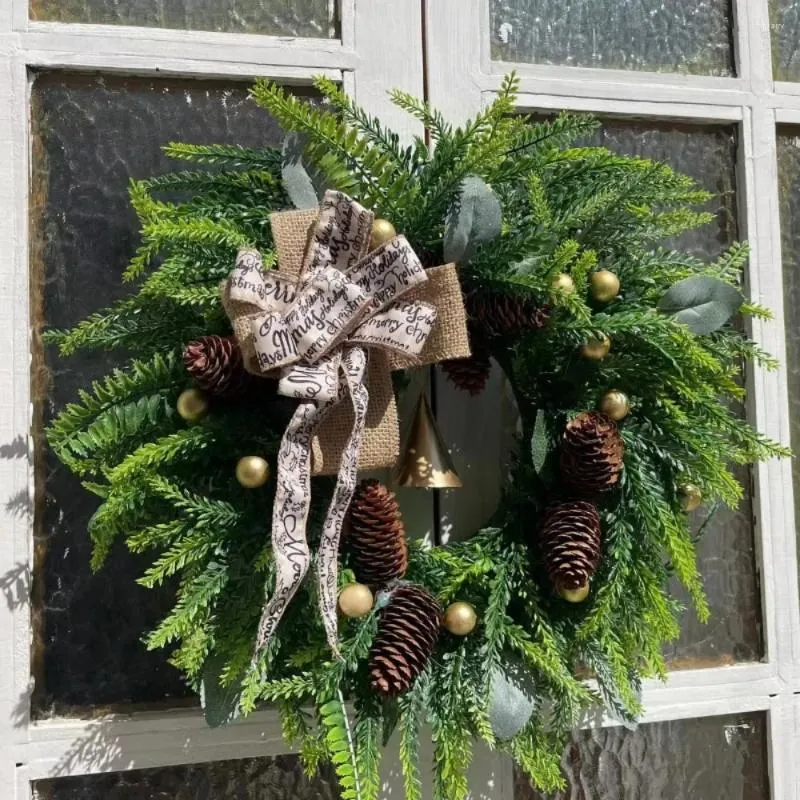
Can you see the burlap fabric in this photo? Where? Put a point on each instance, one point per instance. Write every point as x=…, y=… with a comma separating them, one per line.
x=448, y=340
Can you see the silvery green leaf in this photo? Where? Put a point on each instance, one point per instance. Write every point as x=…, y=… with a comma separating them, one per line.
x=512, y=700
x=702, y=303
x=540, y=442
x=476, y=218
x=220, y=703
x=295, y=179
x=527, y=266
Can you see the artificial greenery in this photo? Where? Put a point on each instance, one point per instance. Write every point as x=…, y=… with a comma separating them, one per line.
x=169, y=490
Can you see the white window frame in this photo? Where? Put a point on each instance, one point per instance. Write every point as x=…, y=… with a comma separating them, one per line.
x=462, y=79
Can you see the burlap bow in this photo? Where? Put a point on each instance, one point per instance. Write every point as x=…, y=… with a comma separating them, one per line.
x=311, y=325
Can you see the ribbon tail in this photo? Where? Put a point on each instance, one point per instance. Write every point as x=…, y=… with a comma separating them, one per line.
x=354, y=365
x=290, y=514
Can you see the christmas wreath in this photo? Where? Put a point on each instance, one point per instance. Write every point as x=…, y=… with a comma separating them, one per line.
x=276, y=309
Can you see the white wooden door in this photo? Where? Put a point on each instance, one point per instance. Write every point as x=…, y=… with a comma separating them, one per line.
x=89, y=91
x=712, y=88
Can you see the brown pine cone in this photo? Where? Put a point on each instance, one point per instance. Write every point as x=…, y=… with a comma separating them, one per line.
x=376, y=535
x=591, y=453
x=216, y=365
x=470, y=374
x=504, y=315
x=570, y=540
x=407, y=633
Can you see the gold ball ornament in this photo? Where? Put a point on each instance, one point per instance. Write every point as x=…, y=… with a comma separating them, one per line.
x=615, y=404
x=382, y=231
x=604, y=286
x=460, y=619
x=192, y=405
x=563, y=283
x=575, y=595
x=356, y=600
x=252, y=472
x=596, y=349
x=691, y=497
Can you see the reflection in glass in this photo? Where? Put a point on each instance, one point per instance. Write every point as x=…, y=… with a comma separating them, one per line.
x=789, y=182
x=784, y=18
x=691, y=36
x=311, y=18
x=278, y=778
x=697, y=759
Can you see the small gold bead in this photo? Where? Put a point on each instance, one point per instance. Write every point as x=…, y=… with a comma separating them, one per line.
x=460, y=619
x=596, y=349
x=691, y=497
x=382, y=231
x=356, y=600
x=575, y=595
x=615, y=404
x=192, y=405
x=252, y=472
x=604, y=286
x=563, y=283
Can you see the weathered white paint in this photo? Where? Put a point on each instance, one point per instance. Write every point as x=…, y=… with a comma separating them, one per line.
x=205, y=46
x=176, y=55
x=695, y=113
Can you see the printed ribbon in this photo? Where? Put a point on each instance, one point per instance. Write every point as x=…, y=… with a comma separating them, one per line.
x=315, y=333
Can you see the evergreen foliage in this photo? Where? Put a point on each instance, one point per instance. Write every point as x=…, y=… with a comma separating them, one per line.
x=169, y=489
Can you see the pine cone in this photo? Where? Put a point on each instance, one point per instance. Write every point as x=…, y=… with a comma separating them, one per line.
x=570, y=541
x=502, y=314
x=470, y=374
x=591, y=453
x=407, y=633
x=216, y=365
x=377, y=536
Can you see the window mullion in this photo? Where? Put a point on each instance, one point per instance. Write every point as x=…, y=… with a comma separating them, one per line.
x=782, y=747
x=769, y=407
x=16, y=476
x=752, y=44
x=201, y=53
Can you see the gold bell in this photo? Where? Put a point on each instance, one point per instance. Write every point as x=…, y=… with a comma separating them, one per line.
x=425, y=462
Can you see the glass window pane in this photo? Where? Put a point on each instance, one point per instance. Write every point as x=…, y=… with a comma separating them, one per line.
x=312, y=18
x=691, y=36
x=727, y=549
x=789, y=178
x=278, y=778
x=91, y=134
x=785, y=25
x=707, y=154
x=701, y=759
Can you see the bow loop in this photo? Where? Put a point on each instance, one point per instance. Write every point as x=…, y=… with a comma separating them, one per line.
x=307, y=321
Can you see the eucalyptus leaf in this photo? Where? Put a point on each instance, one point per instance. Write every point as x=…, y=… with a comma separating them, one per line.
x=294, y=177
x=220, y=703
x=540, y=442
x=476, y=218
x=702, y=303
x=512, y=700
